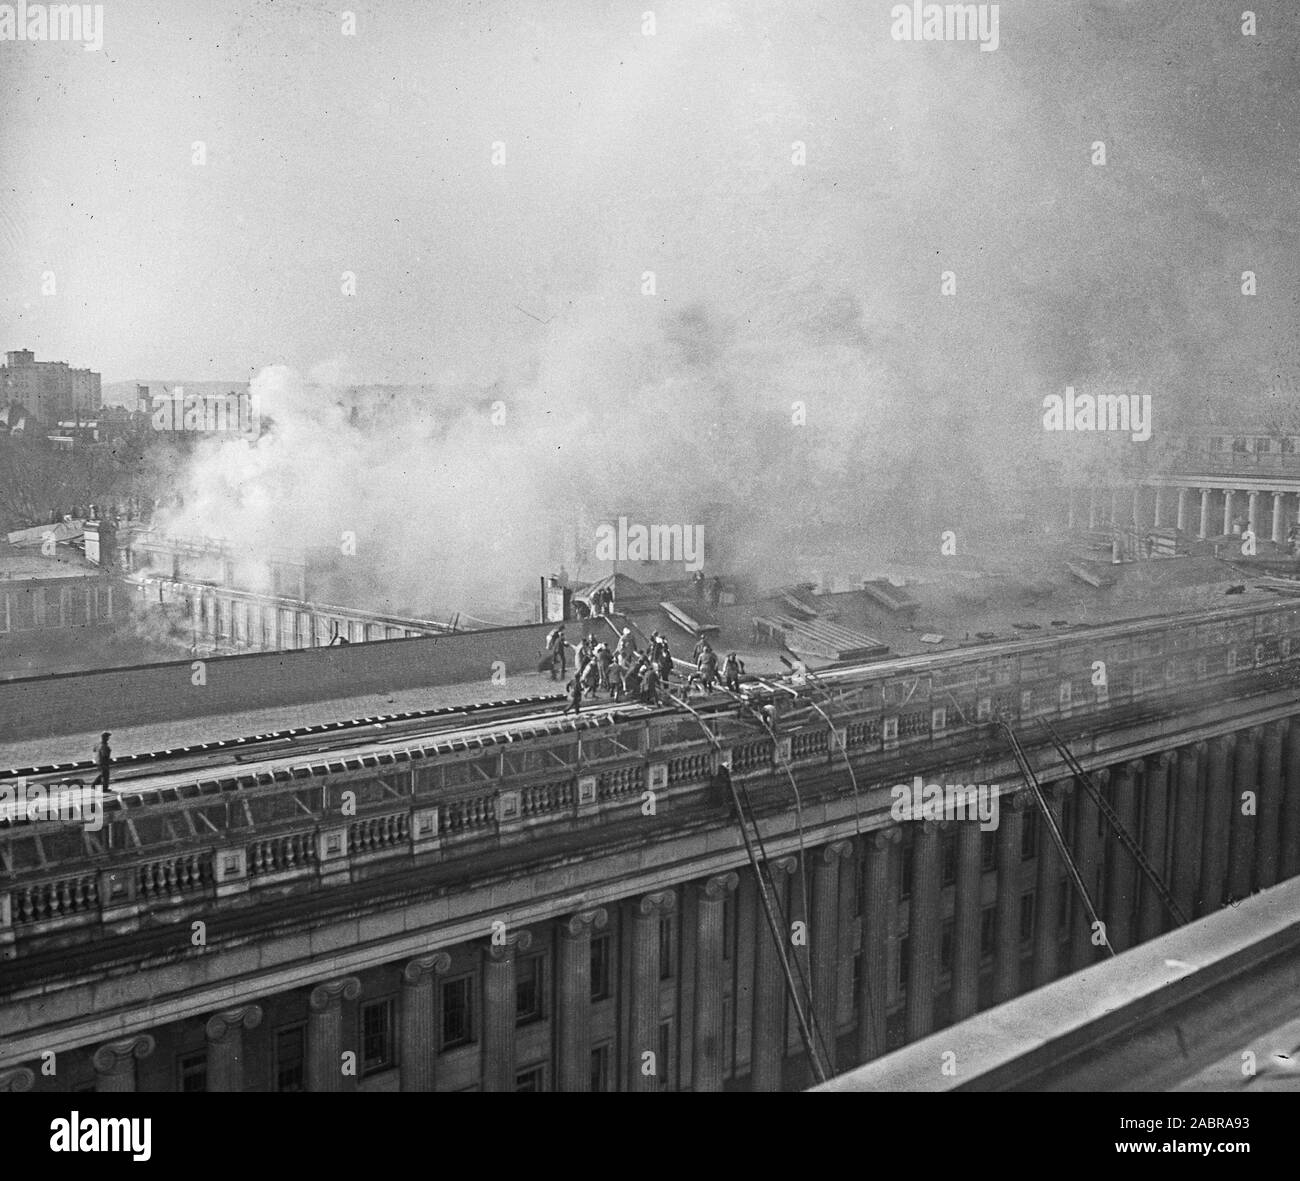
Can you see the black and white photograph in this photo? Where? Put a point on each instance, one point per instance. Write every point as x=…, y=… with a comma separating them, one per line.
x=675, y=546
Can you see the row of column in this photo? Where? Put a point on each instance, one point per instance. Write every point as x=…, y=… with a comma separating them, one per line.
x=1217, y=820
x=1188, y=515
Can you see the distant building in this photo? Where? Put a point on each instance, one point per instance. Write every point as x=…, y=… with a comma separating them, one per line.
x=48, y=390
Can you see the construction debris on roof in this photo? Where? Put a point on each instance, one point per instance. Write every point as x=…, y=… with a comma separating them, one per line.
x=1091, y=573
x=819, y=637
x=694, y=618
x=893, y=598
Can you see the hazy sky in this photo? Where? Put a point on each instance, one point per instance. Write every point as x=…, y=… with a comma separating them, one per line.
x=672, y=153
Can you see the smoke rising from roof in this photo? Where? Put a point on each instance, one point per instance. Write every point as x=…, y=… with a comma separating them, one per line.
x=776, y=285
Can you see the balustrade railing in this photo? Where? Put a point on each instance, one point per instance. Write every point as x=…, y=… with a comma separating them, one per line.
x=58, y=899
x=372, y=833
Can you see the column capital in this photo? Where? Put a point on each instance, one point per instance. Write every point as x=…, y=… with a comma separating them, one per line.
x=584, y=922
x=882, y=838
x=1020, y=800
x=112, y=1056
x=435, y=963
x=1059, y=789
x=661, y=903
x=830, y=854
x=19, y=1078
x=718, y=886
x=781, y=865
x=1165, y=759
x=333, y=992
x=219, y=1026
x=1101, y=777
x=515, y=941
x=1135, y=767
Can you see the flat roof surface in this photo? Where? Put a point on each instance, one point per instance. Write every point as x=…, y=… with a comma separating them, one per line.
x=28, y=562
x=80, y=746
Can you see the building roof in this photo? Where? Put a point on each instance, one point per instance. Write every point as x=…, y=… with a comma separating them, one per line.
x=30, y=563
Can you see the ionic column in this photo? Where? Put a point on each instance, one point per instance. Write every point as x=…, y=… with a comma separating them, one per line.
x=1114, y=506
x=1214, y=830
x=1270, y=806
x=1182, y=508
x=1241, y=838
x=643, y=1028
x=878, y=849
x=768, y=1049
x=1006, y=963
x=923, y=930
x=1069, y=508
x=1227, y=511
x=573, y=1014
x=225, y=1034
x=325, y=1032
x=966, y=922
x=15, y=1079
x=708, y=1035
x=1121, y=883
x=1289, y=859
x=825, y=942
x=1159, y=506
x=1047, y=889
x=1086, y=845
x=1188, y=806
x=1278, y=519
x=1137, y=506
x=1252, y=512
x=500, y=1010
x=1092, y=508
x=114, y=1062
x=1151, y=911
x=419, y=1039
x=1204, y=531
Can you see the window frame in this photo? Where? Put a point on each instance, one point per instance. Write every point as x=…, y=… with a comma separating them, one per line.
x=467, y=980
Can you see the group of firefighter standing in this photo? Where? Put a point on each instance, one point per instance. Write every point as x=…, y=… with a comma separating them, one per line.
x=628, y=674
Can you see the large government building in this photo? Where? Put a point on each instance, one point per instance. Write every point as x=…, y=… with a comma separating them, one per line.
x=329, y=869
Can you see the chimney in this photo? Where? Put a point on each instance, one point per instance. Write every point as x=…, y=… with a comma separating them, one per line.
x=101, y=543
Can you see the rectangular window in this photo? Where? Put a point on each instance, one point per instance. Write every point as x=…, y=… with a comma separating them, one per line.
x=988, y=924
x=857, y=982
x=1026, y=917
x=289, y=1058
x=1029, y=837
x=457, y=1012
x=601, y=984
x=945, y=946
x=1065, y=897
x=376, y=1036
x=948, y=859
x=192, y=1073
x=529, y=989
x=904, y=962
x=532, y=1079
x=665, y=1064
x=600, y=1057
x=666, y=949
